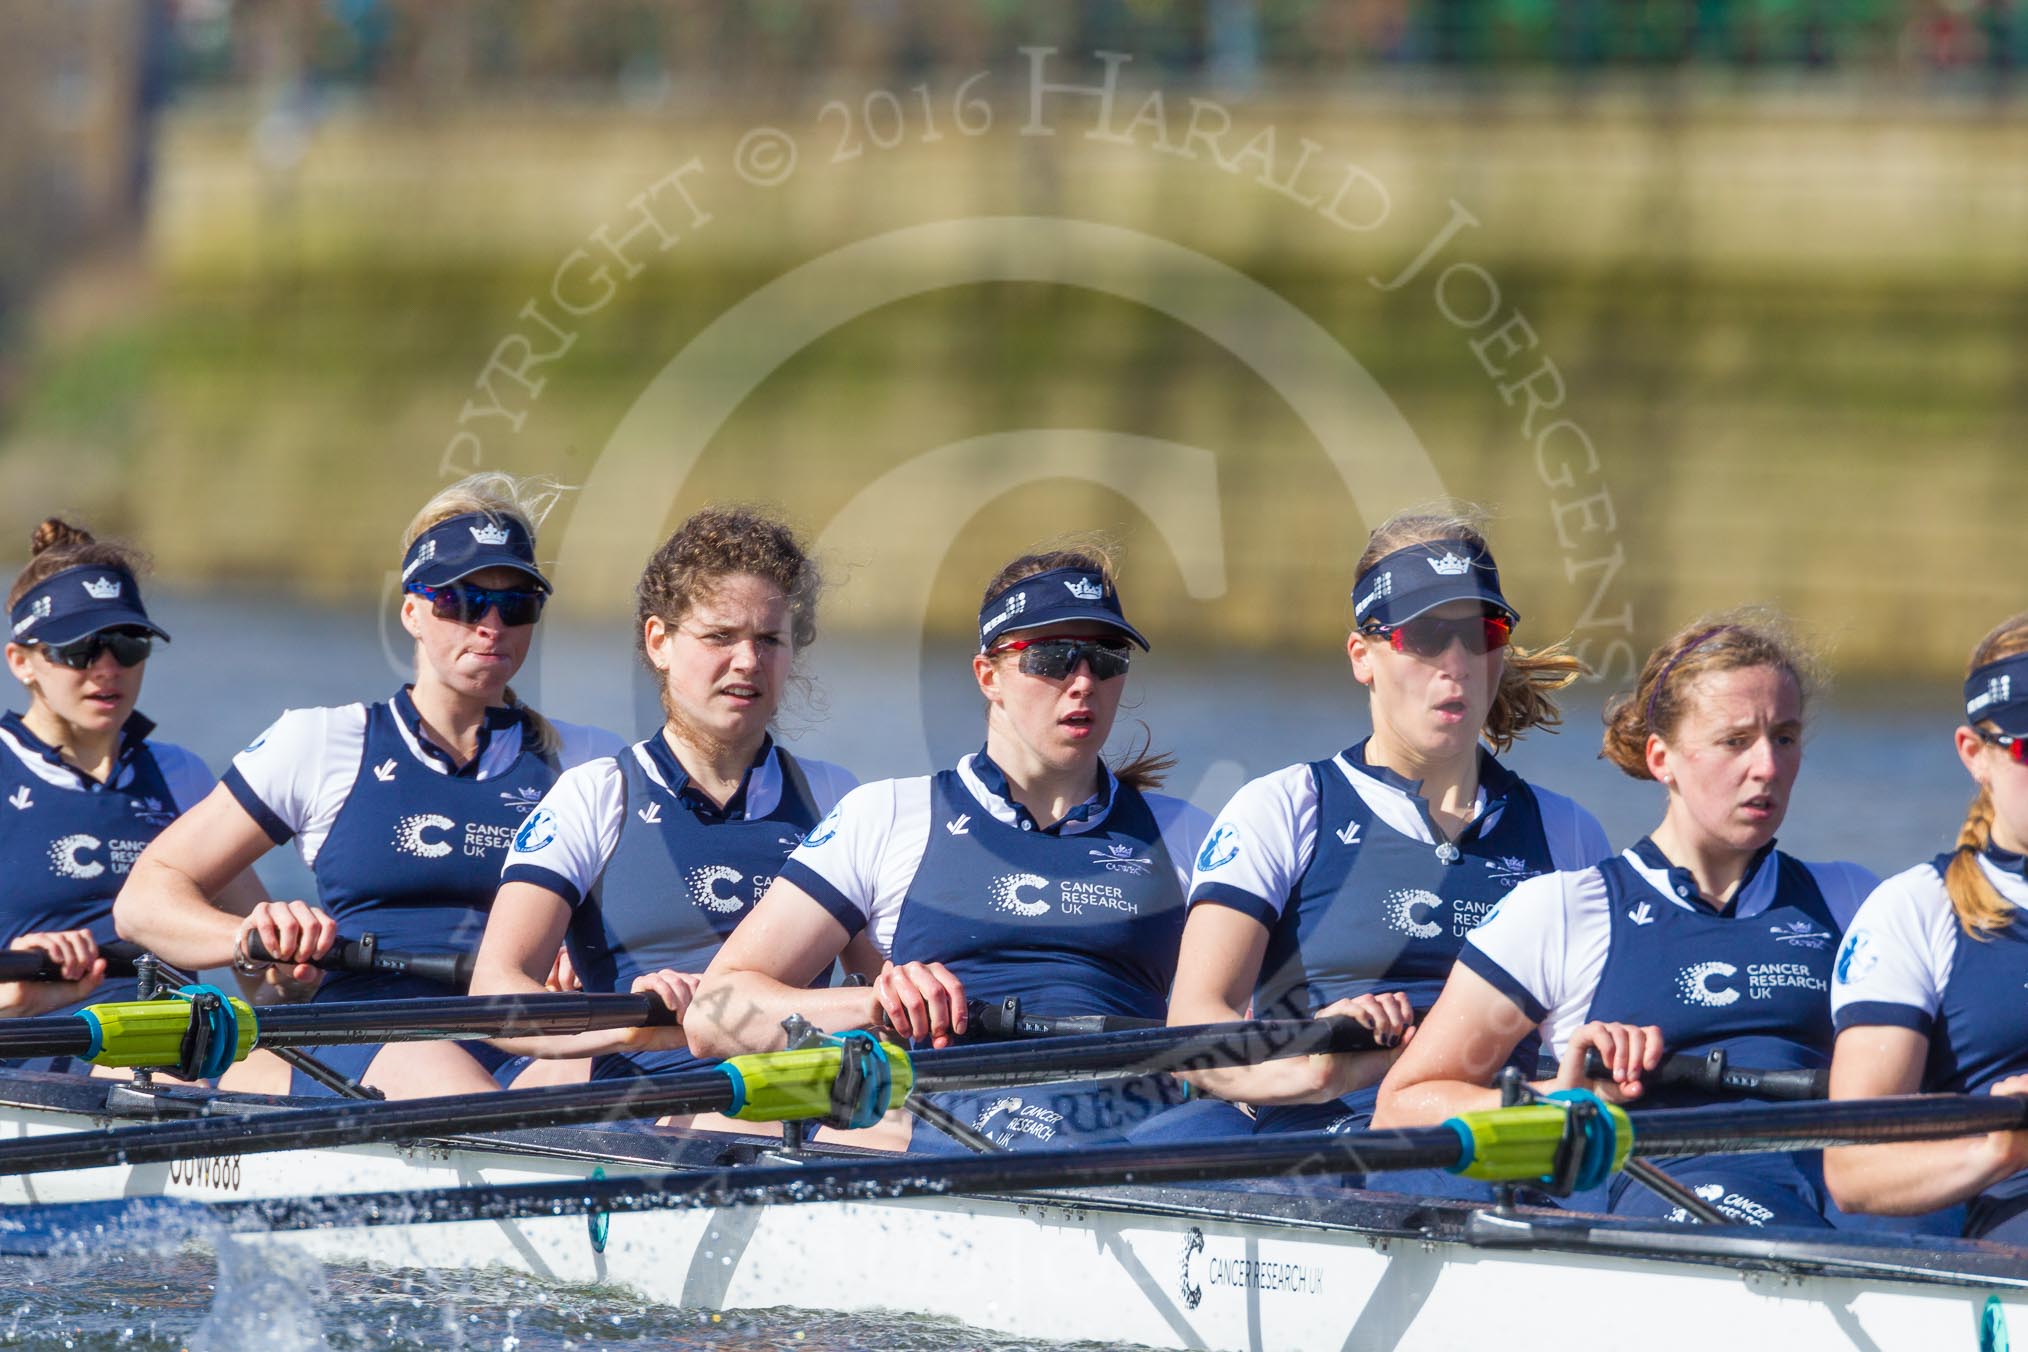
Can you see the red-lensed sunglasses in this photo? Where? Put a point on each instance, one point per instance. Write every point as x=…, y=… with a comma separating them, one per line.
x=1055, y=658
x=1428, y=636
x=2016, y=747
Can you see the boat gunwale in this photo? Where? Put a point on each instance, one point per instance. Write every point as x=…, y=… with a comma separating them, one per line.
x=1381, y=1218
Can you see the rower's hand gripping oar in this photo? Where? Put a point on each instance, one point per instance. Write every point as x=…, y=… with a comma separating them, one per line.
x=364, y=954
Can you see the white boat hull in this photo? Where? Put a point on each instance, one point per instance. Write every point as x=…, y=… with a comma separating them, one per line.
x=1165, y=1267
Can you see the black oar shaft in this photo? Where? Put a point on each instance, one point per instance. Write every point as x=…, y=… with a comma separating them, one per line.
x=430, y=1019
x=1138, y=1052
x=1807, y=1126
x=419, y=1020
x=1289, y=1155
x=1664, y=1132
x=358, y=1122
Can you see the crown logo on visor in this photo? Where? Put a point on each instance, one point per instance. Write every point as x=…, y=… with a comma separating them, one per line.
x=1084, y=589
x=103, y=589
x=492, y=533
x=1451, y=565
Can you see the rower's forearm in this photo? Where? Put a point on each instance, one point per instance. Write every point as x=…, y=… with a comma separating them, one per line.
x=1292, y=1079
x=164, y=911
x=568, y=1046
x=1909, y=1178
x=1429, y=1102
x=735, y=1012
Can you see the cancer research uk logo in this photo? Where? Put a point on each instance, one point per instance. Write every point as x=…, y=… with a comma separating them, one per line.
x=1415, y=912
x=1011, y=894
x=412, y=835
x=1006, y=893
x=1708, y=983
x=82, y=856
x=704, y=888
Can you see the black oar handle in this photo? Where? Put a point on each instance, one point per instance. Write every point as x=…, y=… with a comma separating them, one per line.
x=1006, y=1020
x=32, y=964
x=1711, y=1074
x=365, y=954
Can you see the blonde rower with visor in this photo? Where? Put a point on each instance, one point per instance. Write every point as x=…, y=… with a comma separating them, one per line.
x=402, y=809
x=1345, y=886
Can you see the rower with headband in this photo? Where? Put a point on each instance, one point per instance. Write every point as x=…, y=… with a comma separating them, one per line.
x=1030, y=870
x=403, y=809
x=1345, y=885
x=84, y=786
x=1928, y=993
x=1701, y=938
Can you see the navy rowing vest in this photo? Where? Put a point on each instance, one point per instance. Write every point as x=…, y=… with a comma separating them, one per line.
x=1072, y=924
x=1980, y=1034
x=683, y=874
x=1378, y=910
x=414, y=855
x=67, y=851
x=1757, y=986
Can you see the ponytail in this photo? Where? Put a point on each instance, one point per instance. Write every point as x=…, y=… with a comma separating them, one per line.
x=539, y=734
x=1981, y=910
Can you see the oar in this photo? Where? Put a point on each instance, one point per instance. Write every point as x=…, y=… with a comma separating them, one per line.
x=364, y=954
x=1006, y=1020
x=1713, y=1074
x=148, y=1032
x=1507, y=1144
x=767, y=1086
x=32, y=964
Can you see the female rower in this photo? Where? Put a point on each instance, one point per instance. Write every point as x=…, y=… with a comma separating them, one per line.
x=84, y=786
x=642, y=863
x=1030, y=871
x=1702, y=937
x=402, y=809
x=1927, y=996
x=1345, y=886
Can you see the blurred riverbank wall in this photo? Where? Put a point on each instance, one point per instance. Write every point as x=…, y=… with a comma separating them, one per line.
x=1699, y=344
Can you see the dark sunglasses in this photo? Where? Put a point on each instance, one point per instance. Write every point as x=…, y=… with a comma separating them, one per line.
x=1428, y=636
x=1055, y=658
x=468, y=604
x=2017, y=747
x=128, y=647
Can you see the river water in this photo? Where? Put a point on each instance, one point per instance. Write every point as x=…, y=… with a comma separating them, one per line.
x=1881, y=786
